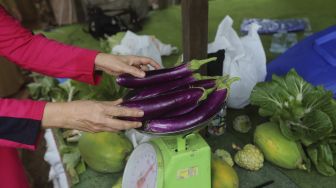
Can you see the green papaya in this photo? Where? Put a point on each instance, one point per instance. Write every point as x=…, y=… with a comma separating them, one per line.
x=223, y=175
x=276, y=148
x=105, y=152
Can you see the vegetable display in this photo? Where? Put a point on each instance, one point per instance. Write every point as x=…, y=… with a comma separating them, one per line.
x=162, y=75
x=304, y=113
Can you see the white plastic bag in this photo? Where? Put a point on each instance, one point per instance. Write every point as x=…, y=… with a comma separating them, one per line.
x=244, y=58
x=144, y=45
x=57, y=173
x=137, y=138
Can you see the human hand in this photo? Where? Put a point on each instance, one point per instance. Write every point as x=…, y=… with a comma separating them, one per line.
x=118, y=64
x=90, y=116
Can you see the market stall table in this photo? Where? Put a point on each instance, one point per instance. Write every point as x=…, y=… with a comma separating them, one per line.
x=166, y=25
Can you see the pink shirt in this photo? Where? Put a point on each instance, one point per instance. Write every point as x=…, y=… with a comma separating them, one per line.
x=20, y=120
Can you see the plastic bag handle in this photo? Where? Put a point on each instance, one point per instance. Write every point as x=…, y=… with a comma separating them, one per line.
x=323, y=52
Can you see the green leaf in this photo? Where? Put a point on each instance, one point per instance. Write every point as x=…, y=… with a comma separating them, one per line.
x=287, y=131
x=313, y=154
x=307, y=161
x=319, y=160
x=326, y=154
x=265, y=95
x=317, y=99
x=71, y=160
x=330, y=109
x=325, y=169
x=81, y=168
x=316, y=125
x=107, y=90
x=295, y=85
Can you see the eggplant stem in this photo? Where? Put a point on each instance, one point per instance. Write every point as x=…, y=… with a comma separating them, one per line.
x=225, y=82
x=206, y=93
x=198, y=76
x=196, y=64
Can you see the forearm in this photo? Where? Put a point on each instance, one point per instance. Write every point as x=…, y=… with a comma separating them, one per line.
x=39, y=54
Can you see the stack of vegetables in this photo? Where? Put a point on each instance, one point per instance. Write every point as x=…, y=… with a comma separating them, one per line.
x=175, y=99
x=302, y=127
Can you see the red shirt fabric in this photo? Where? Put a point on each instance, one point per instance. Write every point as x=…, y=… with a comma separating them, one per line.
x=20, y=120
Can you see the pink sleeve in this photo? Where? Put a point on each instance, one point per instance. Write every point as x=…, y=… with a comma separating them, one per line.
x=20, y=123
x=39, y=54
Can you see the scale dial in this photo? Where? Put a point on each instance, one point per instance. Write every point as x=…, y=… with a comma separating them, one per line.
x=141, y=170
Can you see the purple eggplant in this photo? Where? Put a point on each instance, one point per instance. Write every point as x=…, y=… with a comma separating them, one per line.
x=203, y=112
x=180, y=111
x=156, y=106
x=206, y=84
x=195, y=80
x=162, y=75
x=162, y=88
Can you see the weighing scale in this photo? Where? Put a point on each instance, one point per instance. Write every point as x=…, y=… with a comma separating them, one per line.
x=174, y=160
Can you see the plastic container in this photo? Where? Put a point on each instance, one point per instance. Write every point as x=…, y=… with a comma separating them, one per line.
x=314, y=58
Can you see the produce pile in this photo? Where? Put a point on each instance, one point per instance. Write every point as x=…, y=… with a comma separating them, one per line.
x=175, y=99
x=301, y=128
x=301, y=131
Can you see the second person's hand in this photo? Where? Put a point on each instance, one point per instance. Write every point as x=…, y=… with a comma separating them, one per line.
x=119, y=64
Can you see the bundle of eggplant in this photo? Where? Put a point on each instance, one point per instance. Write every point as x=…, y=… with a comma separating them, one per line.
x=176, y=99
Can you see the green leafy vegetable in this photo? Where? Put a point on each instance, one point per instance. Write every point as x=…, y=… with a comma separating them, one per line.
x=106, y=90
x=304, y=113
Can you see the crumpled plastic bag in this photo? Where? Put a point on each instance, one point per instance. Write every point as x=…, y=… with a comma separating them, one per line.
x=137, y=138
x=143, y=45
x=244, y=58
x=57, y=173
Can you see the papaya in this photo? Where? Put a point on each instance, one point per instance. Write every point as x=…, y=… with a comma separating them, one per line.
x=222, y=174
x=105, y=152
x=276, y=148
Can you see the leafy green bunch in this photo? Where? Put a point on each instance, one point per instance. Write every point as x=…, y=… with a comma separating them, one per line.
x=304, y=113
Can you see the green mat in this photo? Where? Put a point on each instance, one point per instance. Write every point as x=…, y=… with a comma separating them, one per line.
x=166, y=25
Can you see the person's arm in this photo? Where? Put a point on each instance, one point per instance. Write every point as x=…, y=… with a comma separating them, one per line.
x=20, y=123
x=39, y=54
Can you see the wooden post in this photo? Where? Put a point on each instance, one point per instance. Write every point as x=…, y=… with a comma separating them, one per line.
x=163, y=4
x=195, y=30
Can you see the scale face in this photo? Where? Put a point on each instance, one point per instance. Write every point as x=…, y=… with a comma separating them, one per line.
x=142, y=168
x=169, y=162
